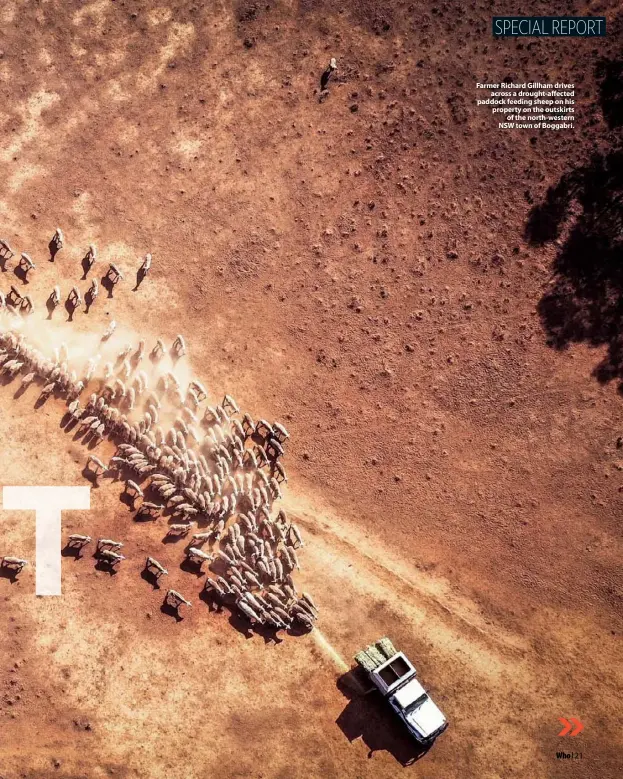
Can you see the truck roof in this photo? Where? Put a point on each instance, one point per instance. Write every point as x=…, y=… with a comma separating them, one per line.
x=409, y=693
x=425, y=717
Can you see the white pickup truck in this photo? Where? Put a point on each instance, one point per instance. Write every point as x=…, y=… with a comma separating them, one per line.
x=392, y=673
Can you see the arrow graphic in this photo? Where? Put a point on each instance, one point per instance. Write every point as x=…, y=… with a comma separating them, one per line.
x=572, y=726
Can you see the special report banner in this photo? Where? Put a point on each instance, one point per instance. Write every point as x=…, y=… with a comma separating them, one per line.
x=549, y=26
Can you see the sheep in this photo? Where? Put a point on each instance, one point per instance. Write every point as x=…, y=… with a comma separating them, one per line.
x=201, y=538
x=174, y=599
x=14, y=298
x=6, y=253
x=25, y=264
x=274, y=450
x=303, y=618
x=113, y=275
x=229, y=402
x=26, y=305
x=56, y=244
x=248, y=611
x=110, y=558
x=263, y=429
x=95, y=465
x=74, y=409
x=281, y=475
x=179, y=347
x=74, y=298
x=15, y=563
x=109, y=330
x=158, y=351
x=308, y=599
x=158, y=569
x=294, y=536
x=28, y=379
x=75, y=540
x=217, y=587
x=218, y=529
x=198, y=389
x=280, y=433
x=179, y=529
x=328, y=74
x=89, y=259
x=225, y=557
x=143, y=271
x=107, y=543
x=93, y=292
x=197, y=556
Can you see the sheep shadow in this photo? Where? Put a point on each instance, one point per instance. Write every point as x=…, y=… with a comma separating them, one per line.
x=107, y=284
x=245, y=628
x=106, y=567
x=53, y=249
x=212, y=599
x=86, y=267
x=91, y=477
x=171, y=611
x=369, y=718
x=140, y=277
x=20, y=391
x=128, y=500
x=150, y=577
x=22, y=274
x=70, y=308
x=72, y=551
x=41, y=401
x=50, y=306
x=171, y=538
x=88, y=301
x=194, y=568
x=8, y=573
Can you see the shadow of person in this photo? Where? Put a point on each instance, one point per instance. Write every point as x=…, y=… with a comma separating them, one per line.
x=369, y=718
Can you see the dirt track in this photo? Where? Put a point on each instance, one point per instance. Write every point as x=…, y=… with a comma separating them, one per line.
x=361, y=273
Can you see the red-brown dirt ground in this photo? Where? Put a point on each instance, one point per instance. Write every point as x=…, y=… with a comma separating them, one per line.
x=362, y=268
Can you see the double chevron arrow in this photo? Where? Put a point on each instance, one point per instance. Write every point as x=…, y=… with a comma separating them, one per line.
x=572, y=726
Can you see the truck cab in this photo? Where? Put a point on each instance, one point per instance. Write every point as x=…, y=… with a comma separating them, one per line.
x=394, y=676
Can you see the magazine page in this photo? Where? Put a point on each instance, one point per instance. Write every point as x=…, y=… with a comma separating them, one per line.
x=311, y=363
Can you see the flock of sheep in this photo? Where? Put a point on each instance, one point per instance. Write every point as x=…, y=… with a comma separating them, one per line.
x=209, y=468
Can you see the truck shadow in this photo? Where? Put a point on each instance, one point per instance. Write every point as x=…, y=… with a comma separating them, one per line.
x=367, y=716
